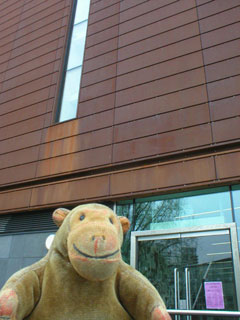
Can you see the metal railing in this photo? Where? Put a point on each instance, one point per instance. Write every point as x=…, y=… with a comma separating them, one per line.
x=229, y=314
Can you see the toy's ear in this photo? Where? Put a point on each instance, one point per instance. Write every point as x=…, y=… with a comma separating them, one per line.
x=125, y=224
x=59, y=215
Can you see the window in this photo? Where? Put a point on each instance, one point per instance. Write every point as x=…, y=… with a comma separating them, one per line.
x=180, y=210
x=72, y=79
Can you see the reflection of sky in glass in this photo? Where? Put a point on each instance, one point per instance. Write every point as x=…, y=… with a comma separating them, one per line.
x=77, y=45
x=70, y=94
x=75, y=61
x=202, y=209
x=236, y=204
x=82, y=11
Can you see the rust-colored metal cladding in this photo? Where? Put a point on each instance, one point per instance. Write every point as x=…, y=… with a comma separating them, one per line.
x=221, y=52
x=100, y=61
x=222, y=19
x=224, y=88
x=165, y=103
x=99, y=75
x=223, y=69
x=228, y=129
x=162, y=123
x=103, y=14
x=20, y=142
x=101, y=48
x=29, y=112
x=98, y=89
x=100, y=5
x=75, y=161
x=225, y=108
x=221, y=35
x=77, y=190
x=159, y=40
x=161, y=55
x=163, y=176
x=159, y=100
x=103, y=24
x=213, y=7
x=160, y=87
x=21, y=128
x=227, y=165
x=164, y=25
x=97, y=105
x=159, y=71
x=160, y=144
x=18, y=173
x=15, y=200
x=22, y=156
x=25, y=101
x=76, y=143
x=102, y=36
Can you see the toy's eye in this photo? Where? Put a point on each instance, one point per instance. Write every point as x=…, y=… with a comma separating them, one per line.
x=111, y=220
x=82, y=217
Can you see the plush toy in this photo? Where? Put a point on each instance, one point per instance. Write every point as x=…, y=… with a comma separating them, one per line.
x=83, y=276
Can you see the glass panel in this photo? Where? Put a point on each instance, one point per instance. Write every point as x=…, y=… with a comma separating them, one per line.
x=82, y=11
x=191, y=209
x=195, y=210
x=206, y=260
x=236, y=205
x=70, y=94
x=77, y=45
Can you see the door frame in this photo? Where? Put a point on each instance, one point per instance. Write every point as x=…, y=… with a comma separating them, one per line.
x=228, y=228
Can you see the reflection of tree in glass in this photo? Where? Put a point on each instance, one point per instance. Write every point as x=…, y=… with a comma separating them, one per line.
x=157, y=259
x=142, y=214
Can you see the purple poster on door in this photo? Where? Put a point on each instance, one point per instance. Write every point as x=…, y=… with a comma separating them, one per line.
x=214, y=295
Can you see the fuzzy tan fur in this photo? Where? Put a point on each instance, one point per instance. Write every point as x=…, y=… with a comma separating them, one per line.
x=83, y=276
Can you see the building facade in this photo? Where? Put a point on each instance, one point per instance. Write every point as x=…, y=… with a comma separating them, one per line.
x=155, y=135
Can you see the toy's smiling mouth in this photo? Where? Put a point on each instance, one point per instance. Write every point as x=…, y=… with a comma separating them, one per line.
x=95, y=257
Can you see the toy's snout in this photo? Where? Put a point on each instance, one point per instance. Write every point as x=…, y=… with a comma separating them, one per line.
x=99, y=242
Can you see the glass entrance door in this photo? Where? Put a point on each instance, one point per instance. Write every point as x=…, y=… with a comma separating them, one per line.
x=194, y=268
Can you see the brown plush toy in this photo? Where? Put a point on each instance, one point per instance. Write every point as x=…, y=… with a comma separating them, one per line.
x=83, y=276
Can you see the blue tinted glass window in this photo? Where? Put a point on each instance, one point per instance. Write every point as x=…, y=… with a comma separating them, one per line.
x=82, y=11
x=236, y=205
x=75, y=58
x=71, y=87
x=70, y=94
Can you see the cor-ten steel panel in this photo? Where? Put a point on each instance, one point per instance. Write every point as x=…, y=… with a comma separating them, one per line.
x=227, y=165
x=18, y=174
x=15, y=200
x=20, y=128
x=214, y=7
x=162, y=123
x=225, y=108
x=161, y=70
x=25, y=101
x=96, y=105
x=163, y=176
x=224, y=88
x=158, y=27
x=102, y=36
x=158, y=41
x=76, y=190
x=160, y=55
x=169, y=142
x=100, y=61
x=219, y=20
x=75, y=161
x=221, y=52
x=158, y=105
x=76, y=143
x=228, y=129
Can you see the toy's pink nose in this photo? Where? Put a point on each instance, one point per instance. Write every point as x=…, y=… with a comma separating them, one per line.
x=99, y=242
